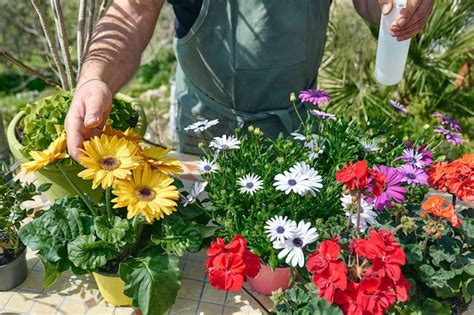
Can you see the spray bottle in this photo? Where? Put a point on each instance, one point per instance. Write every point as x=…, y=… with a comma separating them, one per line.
x=391, y=54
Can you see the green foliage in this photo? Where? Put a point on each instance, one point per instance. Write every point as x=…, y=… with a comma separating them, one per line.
x=114, y=230
x=87, y=253
x=152, y=282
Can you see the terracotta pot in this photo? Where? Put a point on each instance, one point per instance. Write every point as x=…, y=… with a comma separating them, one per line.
x=111, y=288
x=13, y=273
x=268, y=280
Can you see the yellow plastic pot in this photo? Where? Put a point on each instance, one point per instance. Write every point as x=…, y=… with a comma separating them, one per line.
x=111, y=288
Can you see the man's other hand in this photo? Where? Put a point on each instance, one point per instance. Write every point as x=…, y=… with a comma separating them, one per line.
x=89, y=111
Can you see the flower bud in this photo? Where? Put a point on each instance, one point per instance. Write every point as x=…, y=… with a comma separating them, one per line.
x=251, y=128
x=201, y=145
x=280, y=160
x=258, y=132
x=292, y=97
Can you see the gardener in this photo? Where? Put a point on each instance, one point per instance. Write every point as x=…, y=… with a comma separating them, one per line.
x=238, y=60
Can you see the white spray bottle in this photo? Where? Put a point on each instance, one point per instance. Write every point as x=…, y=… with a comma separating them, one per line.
x=391, y=54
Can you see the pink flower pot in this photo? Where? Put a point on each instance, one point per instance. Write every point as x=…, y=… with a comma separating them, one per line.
x=268, y=280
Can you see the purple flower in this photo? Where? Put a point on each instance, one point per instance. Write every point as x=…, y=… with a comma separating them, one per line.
x=322, y=115
x=419, y=157
x=398, y=106
x=393, y=190
x=315, y=97
x=452, y=137
x=413, y=176
x=448, y=121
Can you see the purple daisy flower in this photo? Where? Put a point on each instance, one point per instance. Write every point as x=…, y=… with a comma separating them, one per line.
x=322, y=115
x=398, y=106
x=452, y=137
x=413, y=176
x=447, y=121
x=419, y=157
x=393, y=190
x=315, y=97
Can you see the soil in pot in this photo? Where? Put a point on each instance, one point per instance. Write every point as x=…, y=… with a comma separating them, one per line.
x=9, y=255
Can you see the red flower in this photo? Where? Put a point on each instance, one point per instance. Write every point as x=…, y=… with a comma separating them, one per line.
x=402, y=286
x=216, y=248
x=354, y=176
x=377, y=182
x=335, y=277
x=226, y=272
x=375, y=295
x=238, y=245
x=327, y=252
x=347, y=299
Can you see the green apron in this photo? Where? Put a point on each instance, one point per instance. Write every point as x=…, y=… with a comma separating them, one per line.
x=241, y=60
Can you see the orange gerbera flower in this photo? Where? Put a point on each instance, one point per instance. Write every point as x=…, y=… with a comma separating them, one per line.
x=437, y=206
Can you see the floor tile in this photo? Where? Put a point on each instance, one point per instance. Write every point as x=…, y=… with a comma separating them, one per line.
x=21, y=301
x=194, y=270
x=209, y=309
x=184, y=307
x=213, y=295
x=46, y=304
x=33, y=282
x=4, y=297
x=199, y=256
x=124, y=311
x=190, y=289
x=70, y=306
x=237, y=299
x=232, y=311
x=101, y=309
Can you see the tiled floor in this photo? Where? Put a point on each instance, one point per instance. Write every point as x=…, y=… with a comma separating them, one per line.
x=79, y=295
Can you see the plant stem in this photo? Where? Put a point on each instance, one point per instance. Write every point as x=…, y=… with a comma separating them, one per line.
x=298, y=114
x=256, y=300
x=396, y=229
x=76, y=189
x=108, y=202
x=454, y=200
x=425, y=242
x=359, y=197
x=138, y=228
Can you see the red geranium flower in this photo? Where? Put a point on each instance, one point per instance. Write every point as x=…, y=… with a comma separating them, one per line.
x=238, y=245
x=377, y=182
x=375, y=295
x=227, y=272
x=327, y=252
x=402, y=286
x=439, y=207
x=335, y=277
x=347, y=299
x=354, y=176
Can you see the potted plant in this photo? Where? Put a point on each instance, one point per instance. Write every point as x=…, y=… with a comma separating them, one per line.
x=34, y=128
x=131, y=239
x=12, y=251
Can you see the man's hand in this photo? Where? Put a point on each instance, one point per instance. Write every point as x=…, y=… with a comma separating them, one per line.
x=411, y=19
x=87, y=115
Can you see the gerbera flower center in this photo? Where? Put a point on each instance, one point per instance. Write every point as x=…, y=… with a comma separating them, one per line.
x=145, y=193
x=280, y=230
x=249, y=185
x=109, y=163
x=298, y=242
x=291, y=182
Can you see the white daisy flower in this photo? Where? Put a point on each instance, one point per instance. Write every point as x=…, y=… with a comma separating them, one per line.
x=367, y=215
x=292, y=182
x=206, y=167
x=225, y=143
x=196, y=190
x=250, y=183
x=298, y=136
x=313, y=179
x=202, y=125
x=292, y=248
x=316, y=147
x=280, y=228
x=413, y=157
x=369, y=145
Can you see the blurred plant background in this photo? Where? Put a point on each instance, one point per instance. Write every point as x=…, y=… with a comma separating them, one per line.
x=438, y=76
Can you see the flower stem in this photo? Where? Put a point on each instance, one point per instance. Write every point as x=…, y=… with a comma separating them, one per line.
x=396, y=229
x=298, y=114
x=138, y=228
x=108, y=202
x=425, y=243
x=454, y=200
x=256, y=300
x=76, y=189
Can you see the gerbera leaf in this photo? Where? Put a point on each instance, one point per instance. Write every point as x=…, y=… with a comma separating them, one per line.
x=87, y=253
x=152, y=282
x=115, y=230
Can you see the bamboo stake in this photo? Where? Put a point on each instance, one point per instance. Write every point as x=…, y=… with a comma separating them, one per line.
x=49, y=39
x=63, y=40
x=102, y=8
x=81, y=23
x=27, y=69
x=90, y=25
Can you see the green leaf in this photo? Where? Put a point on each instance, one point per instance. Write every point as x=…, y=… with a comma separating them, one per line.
x=177, y=237
x=51, y=273
x=446, y=249
x=87, y=253
x=152, y=282
x=414, y=253
x=207, y=231
x=44, y=187
x=431, y=306
x=115, y=230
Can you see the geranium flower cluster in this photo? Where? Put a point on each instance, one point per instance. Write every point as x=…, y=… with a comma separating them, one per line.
x=440, y=209
x=371, y=284
x=456, y=177
x=229, y=265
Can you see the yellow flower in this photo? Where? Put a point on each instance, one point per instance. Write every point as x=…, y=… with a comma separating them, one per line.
x=155, y=157
x=53, y=153
x=148, y=193
x=107, y=159
x=128, y=134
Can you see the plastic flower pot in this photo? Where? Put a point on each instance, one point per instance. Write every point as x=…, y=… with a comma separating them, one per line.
x=111, y=288
x=60, y=186
x=14, y=272
x=268, y=280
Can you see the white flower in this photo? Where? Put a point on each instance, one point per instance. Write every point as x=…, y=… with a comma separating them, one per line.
x=413, y=157
x=225, y=143
x=316, y=147
x=298, y=136
x=292, y=182
x=313, y=179
x=369, y=145
x=292, y=248
x=196, y=190
x=205, y=166
x=367, y=215
x=280, y=228
x=249, y=183
x=202, y=125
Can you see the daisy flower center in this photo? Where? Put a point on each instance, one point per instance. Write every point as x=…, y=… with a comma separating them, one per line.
x=249, y=185
x=207, y=168
x=280, y=230
x=298, y=242
x=109, y=163
x=291, y=182
x=145, y=193
x=411, y=176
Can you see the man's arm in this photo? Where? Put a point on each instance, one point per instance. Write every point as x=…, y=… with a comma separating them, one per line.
x=112, y=59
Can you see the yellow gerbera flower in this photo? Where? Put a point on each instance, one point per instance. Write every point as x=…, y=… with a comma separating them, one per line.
x=128, y=134
x=53, y=153
x=107, y=159
x=148, y=193
x=155, y=157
